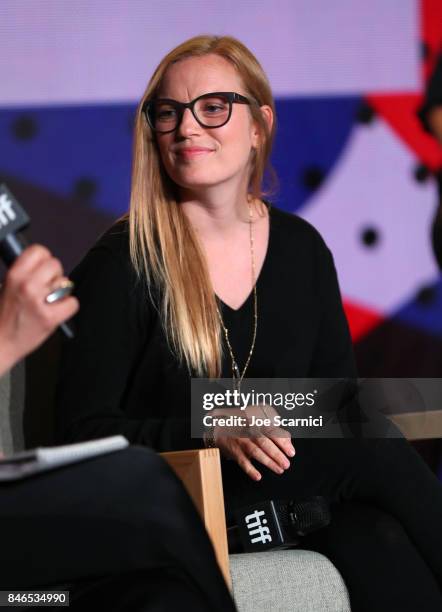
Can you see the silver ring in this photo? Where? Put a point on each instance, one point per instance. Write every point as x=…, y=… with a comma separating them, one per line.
x=61, y=292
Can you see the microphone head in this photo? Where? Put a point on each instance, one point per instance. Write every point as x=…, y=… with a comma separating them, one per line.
x=13, y=218
x=305, y=516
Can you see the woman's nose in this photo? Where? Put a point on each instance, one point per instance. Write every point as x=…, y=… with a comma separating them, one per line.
x=188, y=125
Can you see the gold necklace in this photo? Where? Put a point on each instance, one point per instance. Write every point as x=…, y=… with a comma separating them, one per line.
x=237, y=376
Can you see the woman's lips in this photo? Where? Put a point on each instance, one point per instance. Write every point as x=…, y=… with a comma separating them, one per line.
x=193, y=152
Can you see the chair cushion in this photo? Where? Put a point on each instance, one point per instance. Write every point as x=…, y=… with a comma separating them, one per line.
x=287, y=580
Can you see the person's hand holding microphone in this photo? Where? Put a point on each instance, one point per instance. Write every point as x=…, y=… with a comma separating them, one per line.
x=27, y=314
x=35, y=297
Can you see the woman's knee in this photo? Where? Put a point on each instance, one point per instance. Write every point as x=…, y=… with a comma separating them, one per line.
x=137, y=486
x=361, y=528
x=387, y=533
x=142, y=469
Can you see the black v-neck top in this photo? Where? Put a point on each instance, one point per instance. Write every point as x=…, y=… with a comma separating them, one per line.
x=118, y=376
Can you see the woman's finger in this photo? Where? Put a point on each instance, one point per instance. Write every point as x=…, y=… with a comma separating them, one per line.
x=245, y=464
x=252, y=450
x=270, y=448
x=272, y=430
x=45, y=277
x=282, y=439
x=31, y=258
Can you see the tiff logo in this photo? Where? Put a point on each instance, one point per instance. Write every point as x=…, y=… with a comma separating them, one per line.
x=7, y=213
x=257, y=527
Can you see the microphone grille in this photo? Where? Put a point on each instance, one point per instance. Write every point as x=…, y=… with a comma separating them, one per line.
x=306, y=515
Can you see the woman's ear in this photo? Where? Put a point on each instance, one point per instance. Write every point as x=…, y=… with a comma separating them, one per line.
x=267, y=114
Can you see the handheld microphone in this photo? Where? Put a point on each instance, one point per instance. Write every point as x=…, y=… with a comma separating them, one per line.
x=14, y=219
x=276, y=524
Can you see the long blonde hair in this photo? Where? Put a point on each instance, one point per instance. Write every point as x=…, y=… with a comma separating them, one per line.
x=163, y=246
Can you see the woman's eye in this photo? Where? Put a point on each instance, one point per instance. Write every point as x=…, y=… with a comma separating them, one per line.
x=163, y=114
x=213, y=108
x=213, y=105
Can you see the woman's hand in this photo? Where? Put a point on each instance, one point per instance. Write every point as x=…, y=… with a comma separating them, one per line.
x=26, y=319
x=268, y=444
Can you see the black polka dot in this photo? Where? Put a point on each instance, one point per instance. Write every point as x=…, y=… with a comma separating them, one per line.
x=85, y=188
x=24, y=128
x=421, y=173
x=312, y=177
x=424, y=50
x=370, y=237
x=365, y=113
x=426, y=296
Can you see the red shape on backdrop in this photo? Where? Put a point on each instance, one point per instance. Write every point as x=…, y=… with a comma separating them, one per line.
x=361, y=319
x=431, y=33
x=399, y=111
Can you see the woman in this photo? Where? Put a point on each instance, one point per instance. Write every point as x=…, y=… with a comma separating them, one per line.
x=204, y=278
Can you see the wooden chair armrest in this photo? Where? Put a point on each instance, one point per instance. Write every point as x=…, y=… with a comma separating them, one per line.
x=200, y=472
x=423, y=425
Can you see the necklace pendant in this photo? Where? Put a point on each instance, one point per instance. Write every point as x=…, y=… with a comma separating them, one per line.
x=236, y=370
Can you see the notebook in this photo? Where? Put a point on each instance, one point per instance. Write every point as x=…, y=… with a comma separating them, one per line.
x=27, y=463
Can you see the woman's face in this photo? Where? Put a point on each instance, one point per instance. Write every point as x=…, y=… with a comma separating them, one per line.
x=196, y=157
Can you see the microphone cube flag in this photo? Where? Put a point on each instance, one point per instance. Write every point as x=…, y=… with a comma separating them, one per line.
x=259, y=527
x=13, y=218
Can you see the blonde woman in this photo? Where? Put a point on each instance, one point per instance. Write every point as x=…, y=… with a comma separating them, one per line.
x=205, y=278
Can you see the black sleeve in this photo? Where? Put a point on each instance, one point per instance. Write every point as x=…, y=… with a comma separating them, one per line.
x=433, y=95
x=111, y=329
x=333, y=356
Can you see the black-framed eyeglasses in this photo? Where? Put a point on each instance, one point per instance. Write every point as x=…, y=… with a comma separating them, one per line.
x=211, y=110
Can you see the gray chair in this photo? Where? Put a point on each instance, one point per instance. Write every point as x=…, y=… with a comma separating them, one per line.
x=287, y=580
